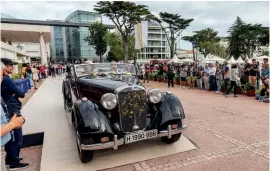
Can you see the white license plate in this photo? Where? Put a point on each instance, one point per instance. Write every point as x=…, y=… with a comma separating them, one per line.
x=133, y=137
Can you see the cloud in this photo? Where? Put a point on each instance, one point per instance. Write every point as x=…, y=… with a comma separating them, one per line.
x=218, y=15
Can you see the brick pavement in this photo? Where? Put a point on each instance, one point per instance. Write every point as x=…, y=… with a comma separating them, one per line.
x=230, y=133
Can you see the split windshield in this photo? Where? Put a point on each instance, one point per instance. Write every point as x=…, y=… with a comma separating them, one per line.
x=104, y=69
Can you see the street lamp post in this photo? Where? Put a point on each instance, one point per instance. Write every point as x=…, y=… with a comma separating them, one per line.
x=197, y=46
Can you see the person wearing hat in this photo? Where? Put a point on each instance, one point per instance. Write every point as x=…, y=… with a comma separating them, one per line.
x=7, y=125
x=10, y=94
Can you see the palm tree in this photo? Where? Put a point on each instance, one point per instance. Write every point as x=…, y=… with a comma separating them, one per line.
x=194, y=41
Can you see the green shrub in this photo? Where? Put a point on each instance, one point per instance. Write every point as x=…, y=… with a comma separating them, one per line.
x=159, y=76
x=15, y=76
x=176, y=77
x=249, y=86
x=164, y=76
x=153, y=75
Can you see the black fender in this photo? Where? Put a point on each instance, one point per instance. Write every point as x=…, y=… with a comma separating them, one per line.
x=170, y=110
x=66, y=88
x=89, y=119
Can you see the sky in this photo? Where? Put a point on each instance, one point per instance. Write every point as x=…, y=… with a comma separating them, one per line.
x=218, y=15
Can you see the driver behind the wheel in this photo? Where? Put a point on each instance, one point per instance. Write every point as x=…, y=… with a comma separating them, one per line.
x=113, y=68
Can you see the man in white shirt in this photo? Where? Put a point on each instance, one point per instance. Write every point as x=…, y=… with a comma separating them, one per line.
x=212, y=77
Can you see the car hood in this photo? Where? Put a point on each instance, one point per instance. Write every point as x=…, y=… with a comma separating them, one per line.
x=105, y=83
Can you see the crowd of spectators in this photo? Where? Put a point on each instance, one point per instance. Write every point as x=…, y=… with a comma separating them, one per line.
x=37, y=72
x=215, y=76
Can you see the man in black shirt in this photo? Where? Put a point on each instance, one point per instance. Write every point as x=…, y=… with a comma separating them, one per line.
x=253, y=70
x=246, y=72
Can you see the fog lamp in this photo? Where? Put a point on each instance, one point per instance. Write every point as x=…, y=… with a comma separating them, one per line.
x=174, y=126
x=104, y=139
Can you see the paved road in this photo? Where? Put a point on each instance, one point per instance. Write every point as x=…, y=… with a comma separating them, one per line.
x=231, y=134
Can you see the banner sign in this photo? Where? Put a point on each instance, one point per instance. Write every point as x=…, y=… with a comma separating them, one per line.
x=141, y=35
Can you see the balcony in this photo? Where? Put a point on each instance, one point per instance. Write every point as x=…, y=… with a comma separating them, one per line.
x=157, y=45
x=156, y=52
x=154, y=31
x=154, y=38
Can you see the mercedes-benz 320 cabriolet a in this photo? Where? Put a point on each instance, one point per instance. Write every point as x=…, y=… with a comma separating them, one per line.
x=110, y=107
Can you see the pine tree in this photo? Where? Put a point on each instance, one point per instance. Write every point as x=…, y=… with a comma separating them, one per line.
x=236, y=43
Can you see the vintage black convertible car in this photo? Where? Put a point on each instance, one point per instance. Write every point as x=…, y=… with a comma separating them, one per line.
x=109, y=107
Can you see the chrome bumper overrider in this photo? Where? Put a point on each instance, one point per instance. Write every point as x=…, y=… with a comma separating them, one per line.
x=114, y=144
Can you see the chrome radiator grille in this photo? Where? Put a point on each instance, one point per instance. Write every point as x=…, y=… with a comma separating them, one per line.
x=132, y=109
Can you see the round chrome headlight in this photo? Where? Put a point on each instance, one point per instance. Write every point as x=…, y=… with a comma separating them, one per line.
x=108, y=101
x=154, y=95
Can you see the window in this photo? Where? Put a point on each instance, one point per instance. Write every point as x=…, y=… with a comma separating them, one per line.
x=83, y=18
x=72, y=73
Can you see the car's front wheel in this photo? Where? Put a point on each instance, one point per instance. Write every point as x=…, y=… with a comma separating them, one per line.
x=84, y=155
x=172, y=140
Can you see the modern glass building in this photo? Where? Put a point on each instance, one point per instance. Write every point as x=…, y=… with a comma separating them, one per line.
x=6, y=16
x=58, y=37
x=58, y=43
x=77, y=48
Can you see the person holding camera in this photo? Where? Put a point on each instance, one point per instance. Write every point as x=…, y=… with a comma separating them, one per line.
x=7, y=125
x=10, y=94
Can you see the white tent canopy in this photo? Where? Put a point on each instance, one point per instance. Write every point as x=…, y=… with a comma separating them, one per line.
x=232, y=60
x=249, y=60
x=174, y=60
x=216, y=58
x=185, y=60
x=240, y=60
x=262, y=57
x=212, y=59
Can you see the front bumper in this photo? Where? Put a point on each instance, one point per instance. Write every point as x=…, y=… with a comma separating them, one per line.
x=117, y=142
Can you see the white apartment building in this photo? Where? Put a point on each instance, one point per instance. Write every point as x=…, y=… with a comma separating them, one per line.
x=33, y=50
x=224, y=42
x=153, y=41
x=15, y=54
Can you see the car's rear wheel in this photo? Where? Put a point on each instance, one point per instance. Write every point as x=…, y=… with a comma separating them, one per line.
x=84, y=155
x=67, y=102
x=172, y=140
